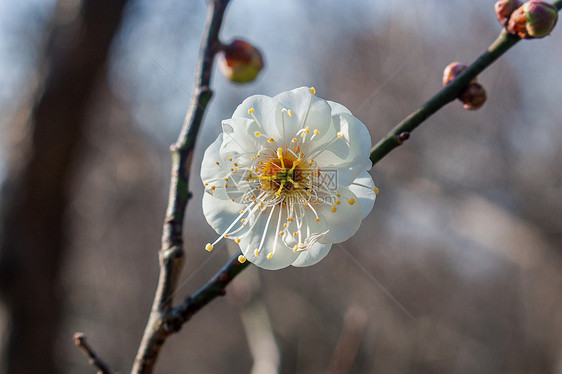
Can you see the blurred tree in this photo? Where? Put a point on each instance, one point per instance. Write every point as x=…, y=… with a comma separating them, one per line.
x=36, y=192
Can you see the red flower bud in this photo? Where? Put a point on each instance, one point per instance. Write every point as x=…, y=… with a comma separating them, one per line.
x=534, y=19
x=452, y=71
x=473, y=97
x=504, y=9
x=241, y=61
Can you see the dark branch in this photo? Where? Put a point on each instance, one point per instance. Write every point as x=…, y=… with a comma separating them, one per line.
x=172, y=252
x=93, y=358
x=215, y=287
x=449, y=93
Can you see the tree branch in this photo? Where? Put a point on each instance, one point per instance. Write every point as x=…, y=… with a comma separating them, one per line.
x=172, y=252
x=95, y=360
x=446, y=95
x=449, y=93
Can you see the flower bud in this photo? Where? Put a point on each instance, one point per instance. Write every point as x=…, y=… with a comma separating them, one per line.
x=452, y=71
x=534, y=19
x=504, y=9
x=473, y=97
x=241, y=61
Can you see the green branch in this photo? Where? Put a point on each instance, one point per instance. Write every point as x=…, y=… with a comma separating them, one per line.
x=401, y=131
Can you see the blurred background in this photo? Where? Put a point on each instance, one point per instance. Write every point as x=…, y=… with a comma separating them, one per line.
x=456, y=270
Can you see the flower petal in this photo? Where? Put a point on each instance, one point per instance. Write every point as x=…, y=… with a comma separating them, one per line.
x=363, y=187
x=312, y=255
x=342, y=223
x=283, y=255
x=308, y=110
x=266, y=110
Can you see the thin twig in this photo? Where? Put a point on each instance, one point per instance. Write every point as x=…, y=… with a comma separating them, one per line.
x=93, y=358
x=172, y=252
x=402, y=131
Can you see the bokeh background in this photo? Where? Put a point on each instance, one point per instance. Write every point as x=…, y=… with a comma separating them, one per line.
x=456, y=270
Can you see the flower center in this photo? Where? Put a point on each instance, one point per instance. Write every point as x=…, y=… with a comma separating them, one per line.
x=285, y=174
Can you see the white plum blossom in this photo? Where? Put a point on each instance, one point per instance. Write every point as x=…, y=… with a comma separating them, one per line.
x=287, y=178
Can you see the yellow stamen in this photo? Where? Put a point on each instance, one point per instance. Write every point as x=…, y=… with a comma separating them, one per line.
x=270, y=255
x=294, y=140
x=340, y=135
x=237, y=240
x=256, y=252
x=351, y=201
x=376, y=190
x=334, y=208
x=209, y=247
x=218, y=163
x=257, y=134
x=241, y=259
x=290, y=112
x=312, y=90
x=270, y=140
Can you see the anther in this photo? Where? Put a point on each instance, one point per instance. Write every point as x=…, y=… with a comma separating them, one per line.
x=270, y=140
x=290, y=112
x=241, y=259
x=334, y=208
x=270, y=255
x=351, y=201
x=312, y=90
x=251, y=110
x=209, y=247
x=376, y=190
x=257, y=134
x=340, y=135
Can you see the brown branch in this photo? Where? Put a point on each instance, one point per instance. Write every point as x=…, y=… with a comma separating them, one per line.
x=93, y=358
x=172, y=251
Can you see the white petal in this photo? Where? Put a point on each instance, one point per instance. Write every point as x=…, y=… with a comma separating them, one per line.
x=239, y=137
x=220, y=213
x=312, y=255
x=342, y=223
x=308, y=110
x=364, y=190
x=338, y=108
x=266, y=110
x=283, y=255
x=350, y=154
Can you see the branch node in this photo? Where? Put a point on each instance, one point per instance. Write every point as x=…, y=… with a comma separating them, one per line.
x=402, y=137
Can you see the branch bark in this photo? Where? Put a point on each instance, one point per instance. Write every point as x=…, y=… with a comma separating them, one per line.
x=95, y=360
x=171, y=254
